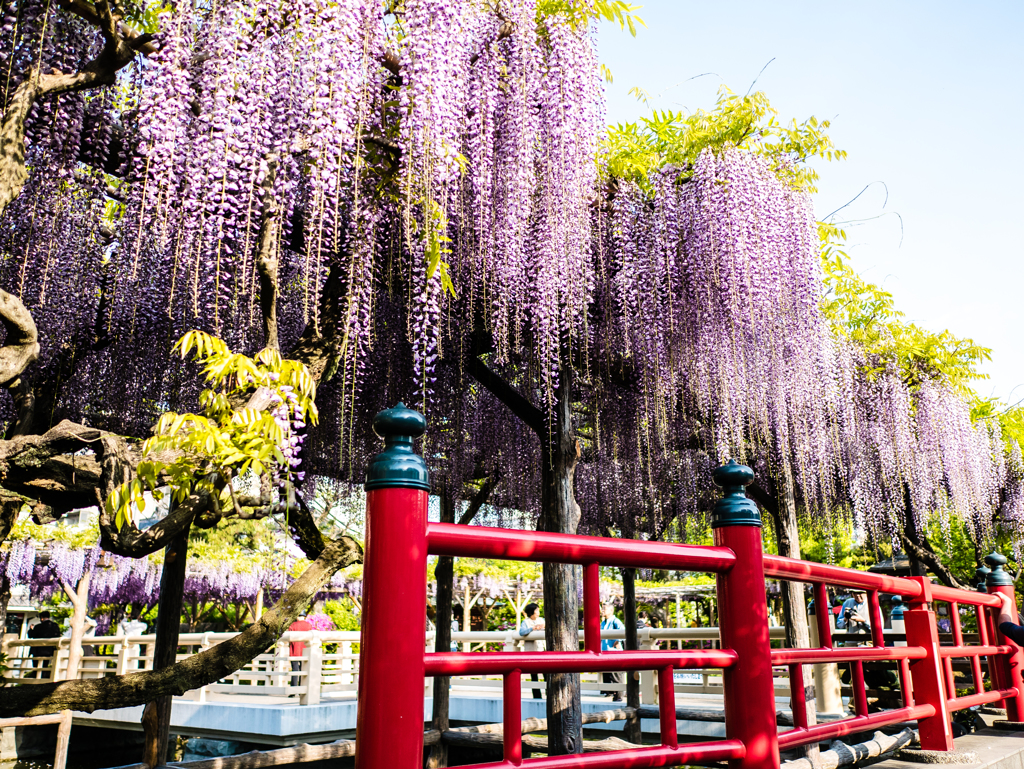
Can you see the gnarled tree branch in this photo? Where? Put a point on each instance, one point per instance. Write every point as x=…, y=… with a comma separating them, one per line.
x=267, y=254
x=196, y=671
x=926, y=556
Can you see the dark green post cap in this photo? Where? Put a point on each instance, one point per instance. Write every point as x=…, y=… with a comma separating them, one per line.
x=398, y=466
x=980, y=574
x=734, y=509
x=996, y=562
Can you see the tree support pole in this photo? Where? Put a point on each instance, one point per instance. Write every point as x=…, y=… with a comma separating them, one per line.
x=156, y=718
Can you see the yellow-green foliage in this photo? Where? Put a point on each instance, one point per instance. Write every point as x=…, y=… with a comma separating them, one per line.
x=212, y=448
x=634, y=150
x=73, y=536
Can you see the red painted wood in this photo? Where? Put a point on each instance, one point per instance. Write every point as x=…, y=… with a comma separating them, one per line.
x=927, y=674
x=807, y=571
x=667, y=708
x=499, y=663
x=821, y=614
x=639, y=758
x=749, y=686
x=512, y=712
x=485, y=542
x=834, y=729
x=845, y=654
x=592, y=607
x=389, y=725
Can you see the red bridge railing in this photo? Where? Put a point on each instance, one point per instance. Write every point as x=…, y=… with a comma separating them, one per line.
x=399, y=538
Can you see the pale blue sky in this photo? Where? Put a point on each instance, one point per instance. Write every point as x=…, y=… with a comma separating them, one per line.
x=925, y=97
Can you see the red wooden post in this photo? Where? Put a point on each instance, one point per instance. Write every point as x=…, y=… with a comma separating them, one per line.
x=592, y=608
x=743, y=617
x=998, y=581
x=389, y=725
x=927, y=674
x=512, y=717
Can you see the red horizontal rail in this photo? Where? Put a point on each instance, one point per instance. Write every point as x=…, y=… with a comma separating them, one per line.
x=821, y=732
x=486, y=542
x=981, y=698
x=807, y=571
x=974, y=651
x=943, y=593
x=636, y=758
x=847, y=654
x=495, y=663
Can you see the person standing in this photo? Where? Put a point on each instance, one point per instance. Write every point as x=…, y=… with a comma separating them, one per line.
x=532, y=622
x=854, y=616
x=611, y=622
x=296, y=648
x=45, y=628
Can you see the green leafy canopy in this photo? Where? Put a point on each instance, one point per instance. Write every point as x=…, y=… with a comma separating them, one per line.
x=204, y=453
x=667, y=138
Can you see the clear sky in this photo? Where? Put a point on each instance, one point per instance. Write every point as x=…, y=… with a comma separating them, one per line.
x=925, y=97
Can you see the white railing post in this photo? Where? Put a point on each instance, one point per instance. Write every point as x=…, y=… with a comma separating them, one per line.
x=346, y=663
x=648, y=693
x=281, y=664
x=57, y=672
x=509, y=644
x=203, y=646
x=312, y=664
x=123, y=652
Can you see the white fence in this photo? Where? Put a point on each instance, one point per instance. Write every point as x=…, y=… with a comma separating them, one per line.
x=329, y=663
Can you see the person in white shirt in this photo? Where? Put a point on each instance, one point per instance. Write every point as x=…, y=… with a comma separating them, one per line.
x=530, y=623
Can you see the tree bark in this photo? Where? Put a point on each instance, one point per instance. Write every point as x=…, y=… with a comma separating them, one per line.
x=168, y=624
x=5, y=599
x=794, y=608
x=195, y=671
x=561, y=514
x=267, y=255
x=632, y=726
x=79, y=597
x=917, y=566
x=444, y=572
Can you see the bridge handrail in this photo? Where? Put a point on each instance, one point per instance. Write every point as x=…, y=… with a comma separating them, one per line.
x=399, y=538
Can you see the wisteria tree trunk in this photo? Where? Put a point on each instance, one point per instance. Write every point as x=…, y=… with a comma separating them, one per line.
x=5, y=599
x=560, y=513
x=794, y=609
x=157, y=716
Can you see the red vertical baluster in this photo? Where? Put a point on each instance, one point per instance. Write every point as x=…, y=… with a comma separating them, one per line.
x=743, y=616
x=928, y=681
x=877, y=623
x=976, y=674
x=822, y=614
x=592, y=607
x=667, y=707
x=860, y=692
x=906, y=687
x=797, y=694
x=389, y=725
x=512, y=693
